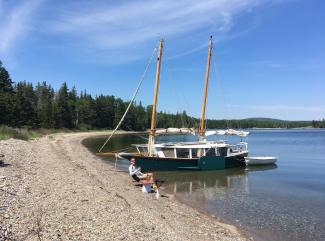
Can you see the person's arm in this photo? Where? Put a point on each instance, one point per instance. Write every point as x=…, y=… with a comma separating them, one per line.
x=133, y=170
x=138, y=172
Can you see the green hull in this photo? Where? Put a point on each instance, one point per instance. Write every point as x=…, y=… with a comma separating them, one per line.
x=176, y=164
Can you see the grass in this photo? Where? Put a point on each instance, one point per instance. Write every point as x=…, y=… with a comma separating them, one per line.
x=27, y=133
x=7, y=132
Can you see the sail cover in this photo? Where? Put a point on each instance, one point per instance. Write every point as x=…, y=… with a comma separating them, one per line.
x=228, y=132
x=174, y=131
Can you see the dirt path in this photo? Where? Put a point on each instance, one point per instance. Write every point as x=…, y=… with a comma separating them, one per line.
x=55, y=189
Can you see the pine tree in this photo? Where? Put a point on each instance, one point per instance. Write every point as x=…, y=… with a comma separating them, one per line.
x=6, y=97
x=73, y=96
x=44, y=106
x=140, y=118
x=25, y=105
x=104, y=106
x=119, y=109
x=63, y=116
x=86, y=111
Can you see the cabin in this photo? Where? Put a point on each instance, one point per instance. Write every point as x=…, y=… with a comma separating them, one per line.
x=193, y=150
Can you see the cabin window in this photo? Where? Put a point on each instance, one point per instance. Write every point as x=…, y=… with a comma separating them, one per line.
x=183, y=152
x=210, y=152
x=168, y=152
x=222, y=151
x=197, y=152
x=194, y=153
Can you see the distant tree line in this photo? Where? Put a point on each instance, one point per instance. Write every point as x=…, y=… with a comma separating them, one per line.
x=40, y=106
x=318, y=124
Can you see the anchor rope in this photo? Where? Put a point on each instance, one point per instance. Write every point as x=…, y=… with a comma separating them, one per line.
x=132, y=99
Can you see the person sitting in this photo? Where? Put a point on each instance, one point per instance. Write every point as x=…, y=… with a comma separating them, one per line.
x=136, y=173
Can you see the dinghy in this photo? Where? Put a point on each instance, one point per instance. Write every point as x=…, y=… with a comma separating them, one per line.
x=260, y=160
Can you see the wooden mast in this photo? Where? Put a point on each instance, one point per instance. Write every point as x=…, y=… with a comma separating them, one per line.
x=207, y=71
x=154, y=107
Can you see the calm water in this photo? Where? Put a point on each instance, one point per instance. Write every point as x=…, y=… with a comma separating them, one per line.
x=279, y=202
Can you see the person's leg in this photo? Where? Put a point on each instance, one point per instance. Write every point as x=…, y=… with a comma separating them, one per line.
x=136, y=178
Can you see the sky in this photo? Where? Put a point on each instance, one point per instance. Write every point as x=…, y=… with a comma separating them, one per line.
x=268, y=57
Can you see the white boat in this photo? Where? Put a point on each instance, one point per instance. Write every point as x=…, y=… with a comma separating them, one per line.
x=260, y=160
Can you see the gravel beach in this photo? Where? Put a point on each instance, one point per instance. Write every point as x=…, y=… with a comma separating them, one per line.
x=55, y=189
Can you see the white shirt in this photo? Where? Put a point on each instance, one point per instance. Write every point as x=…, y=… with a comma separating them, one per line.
x=133, y=170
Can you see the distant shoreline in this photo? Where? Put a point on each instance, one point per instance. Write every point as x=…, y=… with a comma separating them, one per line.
x=30, y=134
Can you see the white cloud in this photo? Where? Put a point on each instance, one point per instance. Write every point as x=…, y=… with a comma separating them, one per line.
x=139, y=21
x=15, y=23
x=134, y=24
x=119, y=28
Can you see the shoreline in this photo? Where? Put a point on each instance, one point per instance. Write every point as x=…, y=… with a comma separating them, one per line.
x=56, y=189
x=223, y=222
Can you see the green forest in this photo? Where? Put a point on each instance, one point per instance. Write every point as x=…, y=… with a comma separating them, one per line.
x=40, y=106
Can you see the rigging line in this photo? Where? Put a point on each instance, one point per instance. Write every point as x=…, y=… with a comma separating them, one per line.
x=135, y=134
x=232, y=123
x=119, y=150
x=132, y=100
x=221, y=85
x=174, y=86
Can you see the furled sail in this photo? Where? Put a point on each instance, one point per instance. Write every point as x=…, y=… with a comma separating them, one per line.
x=172, y=130
x=226, y=132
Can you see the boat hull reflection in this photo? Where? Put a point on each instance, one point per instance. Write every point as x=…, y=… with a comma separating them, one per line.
x=210, y=181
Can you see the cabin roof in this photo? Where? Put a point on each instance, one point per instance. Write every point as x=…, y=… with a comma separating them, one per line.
x=187, y=144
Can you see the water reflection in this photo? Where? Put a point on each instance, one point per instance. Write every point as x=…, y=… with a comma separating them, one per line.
x=210, y=183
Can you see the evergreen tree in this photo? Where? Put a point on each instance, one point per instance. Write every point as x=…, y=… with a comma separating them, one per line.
x=63, y=116
x=148, y=116
x=6, y=84
x=73, y=96
x=140, y=118
x=86, y=111
x=120, y=107
x=44, y=107
x=104, y=106
x=6, y=97
x=25, y=105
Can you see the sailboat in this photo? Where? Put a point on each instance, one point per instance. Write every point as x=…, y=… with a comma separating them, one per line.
x=199, y=155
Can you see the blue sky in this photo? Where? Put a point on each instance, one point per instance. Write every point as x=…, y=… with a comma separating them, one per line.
x=268, y=56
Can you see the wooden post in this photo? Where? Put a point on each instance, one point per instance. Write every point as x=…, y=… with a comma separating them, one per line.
x=154, y=107
x=207, y=71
